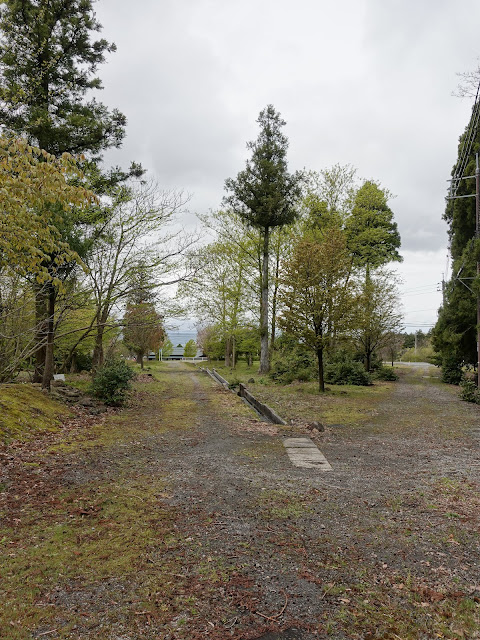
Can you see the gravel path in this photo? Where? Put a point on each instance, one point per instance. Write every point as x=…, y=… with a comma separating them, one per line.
x=219, y=536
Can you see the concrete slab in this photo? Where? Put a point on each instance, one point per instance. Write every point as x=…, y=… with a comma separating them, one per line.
x=303, y=453
x=296, y=443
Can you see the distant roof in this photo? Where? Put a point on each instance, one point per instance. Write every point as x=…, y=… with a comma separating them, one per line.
x=181, y=337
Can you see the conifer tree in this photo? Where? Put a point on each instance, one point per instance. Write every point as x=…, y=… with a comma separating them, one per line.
x=374, y=240
x=454, y=336
x=264, y=194
x=48, y=64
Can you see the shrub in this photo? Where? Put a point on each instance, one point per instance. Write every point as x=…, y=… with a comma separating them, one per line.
x=111, y=383
x=451, y=370
x=469, y=392
x=292, y=361
x=386, y=373
x=347, y=371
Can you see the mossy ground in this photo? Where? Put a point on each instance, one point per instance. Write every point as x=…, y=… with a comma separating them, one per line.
x=181, y=517
x=26, y=411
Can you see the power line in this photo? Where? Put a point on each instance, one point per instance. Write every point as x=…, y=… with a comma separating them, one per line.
x=466, y=147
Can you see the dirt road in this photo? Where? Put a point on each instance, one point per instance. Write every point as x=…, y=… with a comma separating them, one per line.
x=183, y=518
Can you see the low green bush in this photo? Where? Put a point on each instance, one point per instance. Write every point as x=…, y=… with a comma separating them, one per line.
x=386, y=373
x=292, y=361
x=469, y=392
x=452, y=372
x=111, y=383
x=347, y=371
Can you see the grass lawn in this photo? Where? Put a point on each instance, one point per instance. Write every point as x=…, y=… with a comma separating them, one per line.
x=340, y=404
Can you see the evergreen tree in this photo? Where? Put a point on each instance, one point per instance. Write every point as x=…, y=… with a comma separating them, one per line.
x=374, y=240
x=454, y=336
x=48, y=63
x=264, y=194
x=372, y=234
x=47, y=66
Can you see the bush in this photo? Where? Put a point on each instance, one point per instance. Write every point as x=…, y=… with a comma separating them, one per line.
x=469, y=392
x=292, y=361
x=347, y=371
x=386, y=373
x=451, y=370
x=111, y=383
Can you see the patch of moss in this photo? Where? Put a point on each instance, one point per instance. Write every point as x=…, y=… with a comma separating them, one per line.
x=26, y=411
x=283, y=505
x=98, y=533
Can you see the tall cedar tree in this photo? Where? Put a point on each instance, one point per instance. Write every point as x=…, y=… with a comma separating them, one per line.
x=48, y=64
x=374, y=240
x=264, y=194
x=454, y=335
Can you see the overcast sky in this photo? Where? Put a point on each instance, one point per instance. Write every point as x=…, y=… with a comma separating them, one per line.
x=361, y=82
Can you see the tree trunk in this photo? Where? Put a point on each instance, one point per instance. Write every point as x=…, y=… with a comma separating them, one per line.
x=264, y=355
x=234, y=353
x=139, y=358
x=368, y=353
x=321, y=381
x=41, y=315
x=50, y=326
x=97, y=359
x=228, y=361
x=249, y=360
x=368, y=360
x=274, y=302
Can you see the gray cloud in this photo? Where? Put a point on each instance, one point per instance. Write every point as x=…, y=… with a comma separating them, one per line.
x=367, y=83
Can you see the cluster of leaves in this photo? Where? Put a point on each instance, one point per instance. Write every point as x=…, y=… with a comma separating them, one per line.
x=452, y=371
x=111, y=382
x=36, y=194
x=291, y=361
x=469, y=391
x=343, y=369
x=386, y=373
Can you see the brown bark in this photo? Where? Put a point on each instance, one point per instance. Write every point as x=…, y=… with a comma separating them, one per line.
x=228, y=358
x=41, y=314
x=321, y=381
x=50, y=328
x=264, y=355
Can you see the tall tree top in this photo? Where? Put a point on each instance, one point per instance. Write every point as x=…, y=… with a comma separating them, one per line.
x=264, y=193
x=48, y=63
x=372, y=234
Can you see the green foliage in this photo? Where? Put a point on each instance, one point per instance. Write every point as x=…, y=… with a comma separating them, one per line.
x=35, y=196
x=452, y=372
x=190, y=350
x=372, y=235
x=342, y=369
x=386, y=373
x=378, y=314
x=264, y=194
x=469, y=391
x=329, y=196
x=111, y=383
x=48, y=64
x=291, y=361
x=167, y=348
x=143, y=330
x=422, y=354
x=318, y=296
x=454, y=335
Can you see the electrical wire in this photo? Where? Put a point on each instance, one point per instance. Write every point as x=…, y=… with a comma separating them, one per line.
x=466, y=146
